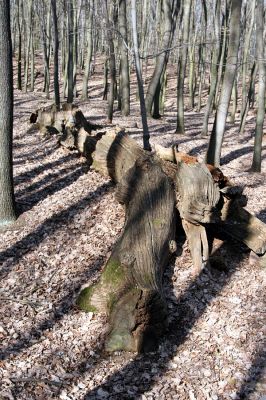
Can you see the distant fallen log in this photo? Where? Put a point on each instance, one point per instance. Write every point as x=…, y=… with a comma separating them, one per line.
x=50, y=120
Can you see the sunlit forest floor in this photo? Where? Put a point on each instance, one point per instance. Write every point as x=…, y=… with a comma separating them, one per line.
x=69, y=221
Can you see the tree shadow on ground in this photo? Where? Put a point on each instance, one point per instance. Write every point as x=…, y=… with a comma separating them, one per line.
x=52, y=183
x=196, y=150
x=32, y=156
x=255, y=374
x=262, y=215
x=32, y=173
x=189, y=307
x=60, y=309
x=32, y=240
x=14, y=253
x=237, y=153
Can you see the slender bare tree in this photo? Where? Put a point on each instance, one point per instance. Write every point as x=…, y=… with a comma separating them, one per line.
x=216, y=139
x=146, y=136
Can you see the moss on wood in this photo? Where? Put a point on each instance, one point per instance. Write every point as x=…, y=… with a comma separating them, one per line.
x=84, y=299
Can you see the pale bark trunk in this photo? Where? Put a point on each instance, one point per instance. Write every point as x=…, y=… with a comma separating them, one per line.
x=124, y=74
x=112, y=66
x=180, y=124
x=146, y=136
x=70, y=58
x=245, y=58
x=19, y=81
x=260, y=54
x=29, y=35
x=214, y=69
x=89, y=51
x=161, y=61
x=56, y=47
x=215, y=145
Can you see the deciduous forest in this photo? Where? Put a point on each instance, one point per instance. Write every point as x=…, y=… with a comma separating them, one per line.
x=132, y=199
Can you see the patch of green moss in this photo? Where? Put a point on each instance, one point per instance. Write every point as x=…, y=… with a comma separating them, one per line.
x=84, y=299
x=113, y=272
x=158, y=221
x=121, y=340
x=112, y=300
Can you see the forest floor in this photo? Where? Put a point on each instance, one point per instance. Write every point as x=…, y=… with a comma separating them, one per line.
x=69, y=221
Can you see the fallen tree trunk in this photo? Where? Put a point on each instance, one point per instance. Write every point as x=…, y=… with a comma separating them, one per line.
x=50, y=120
x=130, y=287
x=152, y=186
x=234, y=220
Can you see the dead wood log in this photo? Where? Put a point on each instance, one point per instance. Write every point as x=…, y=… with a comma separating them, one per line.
x=129, y=290
x=235, y=221
x=198, y=197
x=240, y=224
x=130, y=287
x=50, y=120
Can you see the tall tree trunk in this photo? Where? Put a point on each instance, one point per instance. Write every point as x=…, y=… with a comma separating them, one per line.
x=234, y=102
x=56, y=47
x=161, y=61
x=214, y=69
x=32, y=73
x=245, y=57
x=192, y=44
x=112, y=67
x=260, y=53
x=89, y=50
x=146, y=136
x=202, y=52
x=248, y=98
x=29, y=35
x=19, y=81
x=215, y=145
x=223, y=52
x=124, y=74
x=70, y=58
x=7, y=203
x=144, y=26
x=180, y=125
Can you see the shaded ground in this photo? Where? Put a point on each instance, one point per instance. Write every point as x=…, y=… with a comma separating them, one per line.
x=215, y=346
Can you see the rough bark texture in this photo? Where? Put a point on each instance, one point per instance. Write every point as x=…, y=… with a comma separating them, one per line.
x=50, y=120
x=7, y=205
x=243, y=226
x=130, y=287
x=129, y=290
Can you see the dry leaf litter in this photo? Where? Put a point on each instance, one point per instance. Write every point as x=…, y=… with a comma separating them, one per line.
x=215, y=346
